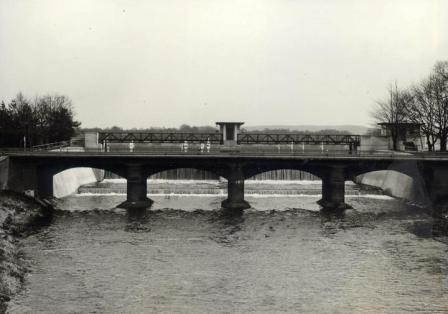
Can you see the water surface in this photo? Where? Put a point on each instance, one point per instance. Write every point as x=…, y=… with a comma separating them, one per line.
x=283, y=255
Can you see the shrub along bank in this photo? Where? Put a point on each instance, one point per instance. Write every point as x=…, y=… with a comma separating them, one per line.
x=19, y=216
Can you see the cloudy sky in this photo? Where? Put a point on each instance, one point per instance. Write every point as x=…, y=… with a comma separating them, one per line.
x=167, y=62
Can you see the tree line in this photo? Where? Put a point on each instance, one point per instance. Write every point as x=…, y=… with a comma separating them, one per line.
x=185, y=128
x=30, y=122
x=424, y=103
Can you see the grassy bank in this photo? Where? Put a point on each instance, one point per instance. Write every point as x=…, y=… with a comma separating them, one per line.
x=19, y=216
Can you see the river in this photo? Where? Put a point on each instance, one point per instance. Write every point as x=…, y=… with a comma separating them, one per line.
x=282, y=255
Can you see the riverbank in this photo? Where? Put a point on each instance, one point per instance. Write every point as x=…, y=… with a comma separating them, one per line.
x=19, y=216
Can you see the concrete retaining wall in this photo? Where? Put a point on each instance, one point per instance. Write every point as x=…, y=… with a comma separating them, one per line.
x=67, y=182
x=393, y=183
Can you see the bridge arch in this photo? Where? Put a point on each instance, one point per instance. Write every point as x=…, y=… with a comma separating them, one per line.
x=395, y=183
x=252, y=171
x=117, y=168
x=408, y=168
x=284, y=174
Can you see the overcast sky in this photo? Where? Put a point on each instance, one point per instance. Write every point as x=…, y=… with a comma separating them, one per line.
x=167, y=62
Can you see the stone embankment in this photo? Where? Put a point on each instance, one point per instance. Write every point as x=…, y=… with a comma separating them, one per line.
x=19, y=216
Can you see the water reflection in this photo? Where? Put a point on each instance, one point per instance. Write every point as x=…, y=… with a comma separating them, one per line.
x=226, y=224
x=138, y=220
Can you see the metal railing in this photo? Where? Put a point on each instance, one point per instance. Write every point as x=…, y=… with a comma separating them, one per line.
x=50, y=146
x=312, y=139
x=217, y=150
x=146, y=137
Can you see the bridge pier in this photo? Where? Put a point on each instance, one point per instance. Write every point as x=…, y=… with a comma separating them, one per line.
x=235, y=191
x=333, y=189
x=136, y=189
x=436, y=185
x=44, y=183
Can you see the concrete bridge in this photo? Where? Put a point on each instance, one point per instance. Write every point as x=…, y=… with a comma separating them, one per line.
x=35, y=171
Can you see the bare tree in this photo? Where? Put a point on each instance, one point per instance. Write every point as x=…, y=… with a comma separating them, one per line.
x=440, y=95
x=393, y=111
x=422, y=110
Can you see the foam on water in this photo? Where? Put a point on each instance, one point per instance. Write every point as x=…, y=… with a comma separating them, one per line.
x=255, y=195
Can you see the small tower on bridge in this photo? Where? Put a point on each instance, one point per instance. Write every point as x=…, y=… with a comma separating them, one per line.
x=229, y=131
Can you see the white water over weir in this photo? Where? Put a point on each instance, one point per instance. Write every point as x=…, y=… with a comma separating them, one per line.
x=196, y=174
x=196, y=182
x=189, y=181
x=219, y=187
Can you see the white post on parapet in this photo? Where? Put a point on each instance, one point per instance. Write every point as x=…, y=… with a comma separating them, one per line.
x=292, y=147
x=303, y=147
x=322, y=147
x=209, y=145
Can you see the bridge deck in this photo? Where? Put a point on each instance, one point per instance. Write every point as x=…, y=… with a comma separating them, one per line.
x=228, y=154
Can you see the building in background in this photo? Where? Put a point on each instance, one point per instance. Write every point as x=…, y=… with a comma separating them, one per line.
x=408, y=134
